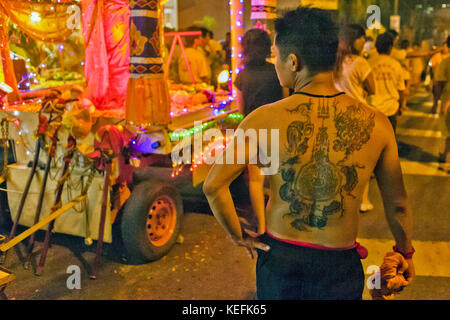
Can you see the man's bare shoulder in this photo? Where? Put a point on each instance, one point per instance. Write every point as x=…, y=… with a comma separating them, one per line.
x=263, y=116
x=349, y=101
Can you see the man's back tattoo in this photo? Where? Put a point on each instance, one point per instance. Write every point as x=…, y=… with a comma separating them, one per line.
x=316, y=189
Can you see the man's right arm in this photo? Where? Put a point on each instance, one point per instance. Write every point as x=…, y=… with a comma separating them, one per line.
x=396, y=205
x=420, y=54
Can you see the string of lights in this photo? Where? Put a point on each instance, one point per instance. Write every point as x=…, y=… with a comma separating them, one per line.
x=210, y=150
x=237, y=32
x=184, y=133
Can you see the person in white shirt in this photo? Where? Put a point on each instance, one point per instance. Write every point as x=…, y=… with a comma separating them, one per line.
x=401, y=55
x=389, y=80
x=353, y=75
x=443, y=93
x=435, y=61
x=369, y=48
x=197, y=62
x=417, y=67
x=412, y=62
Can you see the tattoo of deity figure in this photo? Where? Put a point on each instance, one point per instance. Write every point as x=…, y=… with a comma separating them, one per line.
x=317, y=189
x=353, y=130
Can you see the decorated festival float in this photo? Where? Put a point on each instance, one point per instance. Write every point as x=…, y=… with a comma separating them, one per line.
x=90, y=119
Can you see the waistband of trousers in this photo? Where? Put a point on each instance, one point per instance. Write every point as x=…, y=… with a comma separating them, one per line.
x=362, y=251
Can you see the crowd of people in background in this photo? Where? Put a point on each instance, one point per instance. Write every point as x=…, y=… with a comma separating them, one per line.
x=389, y=72
x=206, y=57
x=381, y=73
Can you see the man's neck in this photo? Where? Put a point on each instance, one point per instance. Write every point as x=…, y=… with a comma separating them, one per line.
x=319, y=83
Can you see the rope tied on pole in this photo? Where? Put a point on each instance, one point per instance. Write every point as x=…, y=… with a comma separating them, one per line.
x=5, y=144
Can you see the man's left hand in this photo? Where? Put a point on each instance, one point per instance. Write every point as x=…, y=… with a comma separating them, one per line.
x=251, y=242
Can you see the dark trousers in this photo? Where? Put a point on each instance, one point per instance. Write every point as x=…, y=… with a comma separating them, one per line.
x=291, y=272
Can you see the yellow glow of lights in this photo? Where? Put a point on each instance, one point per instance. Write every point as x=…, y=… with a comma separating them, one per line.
x=223, y=77
x=35, y=17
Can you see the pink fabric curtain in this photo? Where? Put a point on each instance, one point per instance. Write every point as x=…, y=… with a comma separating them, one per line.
x=106, y=33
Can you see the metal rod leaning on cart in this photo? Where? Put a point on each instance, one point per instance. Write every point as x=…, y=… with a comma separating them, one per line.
x=37, y=214
x=101, y=229
x=48, y=104
x=5, y=144
x=71, y=146
x=12, y=233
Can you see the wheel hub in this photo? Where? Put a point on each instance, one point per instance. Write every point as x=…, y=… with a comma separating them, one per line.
x=161, y=220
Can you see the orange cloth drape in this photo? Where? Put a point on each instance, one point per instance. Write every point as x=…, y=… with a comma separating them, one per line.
x=107, y=47
x=148, y=100
x=41, y=21
x=7, y=65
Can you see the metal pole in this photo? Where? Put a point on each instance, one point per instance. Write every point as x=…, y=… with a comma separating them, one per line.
x=58, y=195
x=12, y=233
x=40, y=200
x=396, y=7
x=101, y=229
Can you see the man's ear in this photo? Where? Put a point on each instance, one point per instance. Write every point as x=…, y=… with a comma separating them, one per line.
x=295, y=63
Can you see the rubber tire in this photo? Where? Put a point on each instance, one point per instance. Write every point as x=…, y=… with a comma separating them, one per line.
x=133, y=221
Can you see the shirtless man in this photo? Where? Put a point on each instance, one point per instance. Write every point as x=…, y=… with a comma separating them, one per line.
x=329, y=145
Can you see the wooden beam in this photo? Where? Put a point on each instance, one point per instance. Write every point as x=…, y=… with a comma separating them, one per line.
x=6, y=246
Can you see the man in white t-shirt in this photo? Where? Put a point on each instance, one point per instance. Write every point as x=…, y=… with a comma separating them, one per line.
x=197, y=62
x=435, y=61
x=389, y=80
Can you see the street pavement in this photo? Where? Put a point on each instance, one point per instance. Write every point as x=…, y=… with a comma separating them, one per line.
x=205, y=265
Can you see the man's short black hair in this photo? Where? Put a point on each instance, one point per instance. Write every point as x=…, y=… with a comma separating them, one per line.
x=393, y=32
x=189, y=40
x=311, y=35
x=404, y=44
x=205, y=32
x=384, y=43
x=448, y=41
x=256, y=46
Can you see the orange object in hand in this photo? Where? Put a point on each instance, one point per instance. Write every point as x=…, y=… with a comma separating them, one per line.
x=392, y=277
